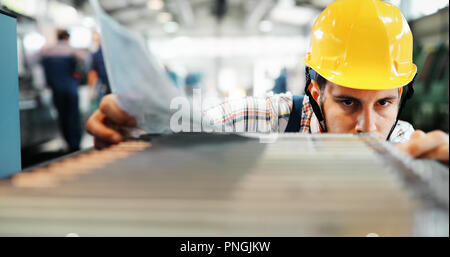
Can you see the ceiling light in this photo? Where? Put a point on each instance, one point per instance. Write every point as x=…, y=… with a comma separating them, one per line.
x=295, y=15
x=88, y=22
x=80, y=37
x=33, y=42
x=155, y=4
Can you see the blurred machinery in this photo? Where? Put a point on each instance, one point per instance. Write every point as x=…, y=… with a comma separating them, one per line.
x=230, y=185
x=38, y=116
x=9, y=97
x=428, y=109
x=38, y=119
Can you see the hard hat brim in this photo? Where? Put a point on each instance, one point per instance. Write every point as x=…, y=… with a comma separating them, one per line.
x=364, y=81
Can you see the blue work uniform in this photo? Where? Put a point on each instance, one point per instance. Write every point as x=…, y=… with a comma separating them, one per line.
x=59, y=65
x=98, y=65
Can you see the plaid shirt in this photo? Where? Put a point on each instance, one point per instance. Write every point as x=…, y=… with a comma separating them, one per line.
x=271, y=115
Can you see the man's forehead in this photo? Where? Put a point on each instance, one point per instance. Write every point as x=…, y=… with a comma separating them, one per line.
x=336, y=90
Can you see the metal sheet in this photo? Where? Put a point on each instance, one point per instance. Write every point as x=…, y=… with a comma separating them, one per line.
x=227, y=185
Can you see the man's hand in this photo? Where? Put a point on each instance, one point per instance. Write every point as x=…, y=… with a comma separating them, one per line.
x=105, y=123
x=433, y=145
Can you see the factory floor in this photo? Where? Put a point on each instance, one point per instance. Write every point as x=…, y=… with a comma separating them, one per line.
x=56, y=147
x=51, y=150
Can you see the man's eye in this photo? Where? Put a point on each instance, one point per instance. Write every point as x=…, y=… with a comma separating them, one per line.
x=347, y=102
x=383, y=102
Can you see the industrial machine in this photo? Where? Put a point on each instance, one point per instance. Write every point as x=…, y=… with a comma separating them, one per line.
x=38, y=117
x=197, y=184
x=10, y=161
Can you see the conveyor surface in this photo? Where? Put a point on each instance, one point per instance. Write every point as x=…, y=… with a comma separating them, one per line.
x=229, y=185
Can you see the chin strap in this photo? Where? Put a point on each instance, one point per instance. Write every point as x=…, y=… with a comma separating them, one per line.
x=310, y=75
x=408, y=95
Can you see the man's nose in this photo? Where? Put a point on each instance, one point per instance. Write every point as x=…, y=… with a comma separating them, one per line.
x=366, y=121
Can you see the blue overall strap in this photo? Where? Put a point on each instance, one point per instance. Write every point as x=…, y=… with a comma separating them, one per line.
x=296, y=114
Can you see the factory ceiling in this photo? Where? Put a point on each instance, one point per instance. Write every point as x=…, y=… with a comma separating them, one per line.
x=212, y=17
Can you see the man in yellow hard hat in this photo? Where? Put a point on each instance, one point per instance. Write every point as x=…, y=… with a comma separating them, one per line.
x=359, y=61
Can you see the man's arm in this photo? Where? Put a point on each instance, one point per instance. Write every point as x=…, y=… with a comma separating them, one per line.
x=250, y=114
x=434, y=145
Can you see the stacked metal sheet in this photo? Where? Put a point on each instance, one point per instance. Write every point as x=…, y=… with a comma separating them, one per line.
x=230, y=185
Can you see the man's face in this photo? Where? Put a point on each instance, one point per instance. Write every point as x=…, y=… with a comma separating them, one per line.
x=349, y=110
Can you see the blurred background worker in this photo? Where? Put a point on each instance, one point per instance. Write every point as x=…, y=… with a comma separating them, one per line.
x=281, y=82
x=61, y=63
x=98, y=78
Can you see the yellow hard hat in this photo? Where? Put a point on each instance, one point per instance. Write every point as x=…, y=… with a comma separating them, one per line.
x=362, y=44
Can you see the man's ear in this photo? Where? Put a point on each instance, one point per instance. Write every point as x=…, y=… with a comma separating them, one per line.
x=315, y=90
x=400, y=90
